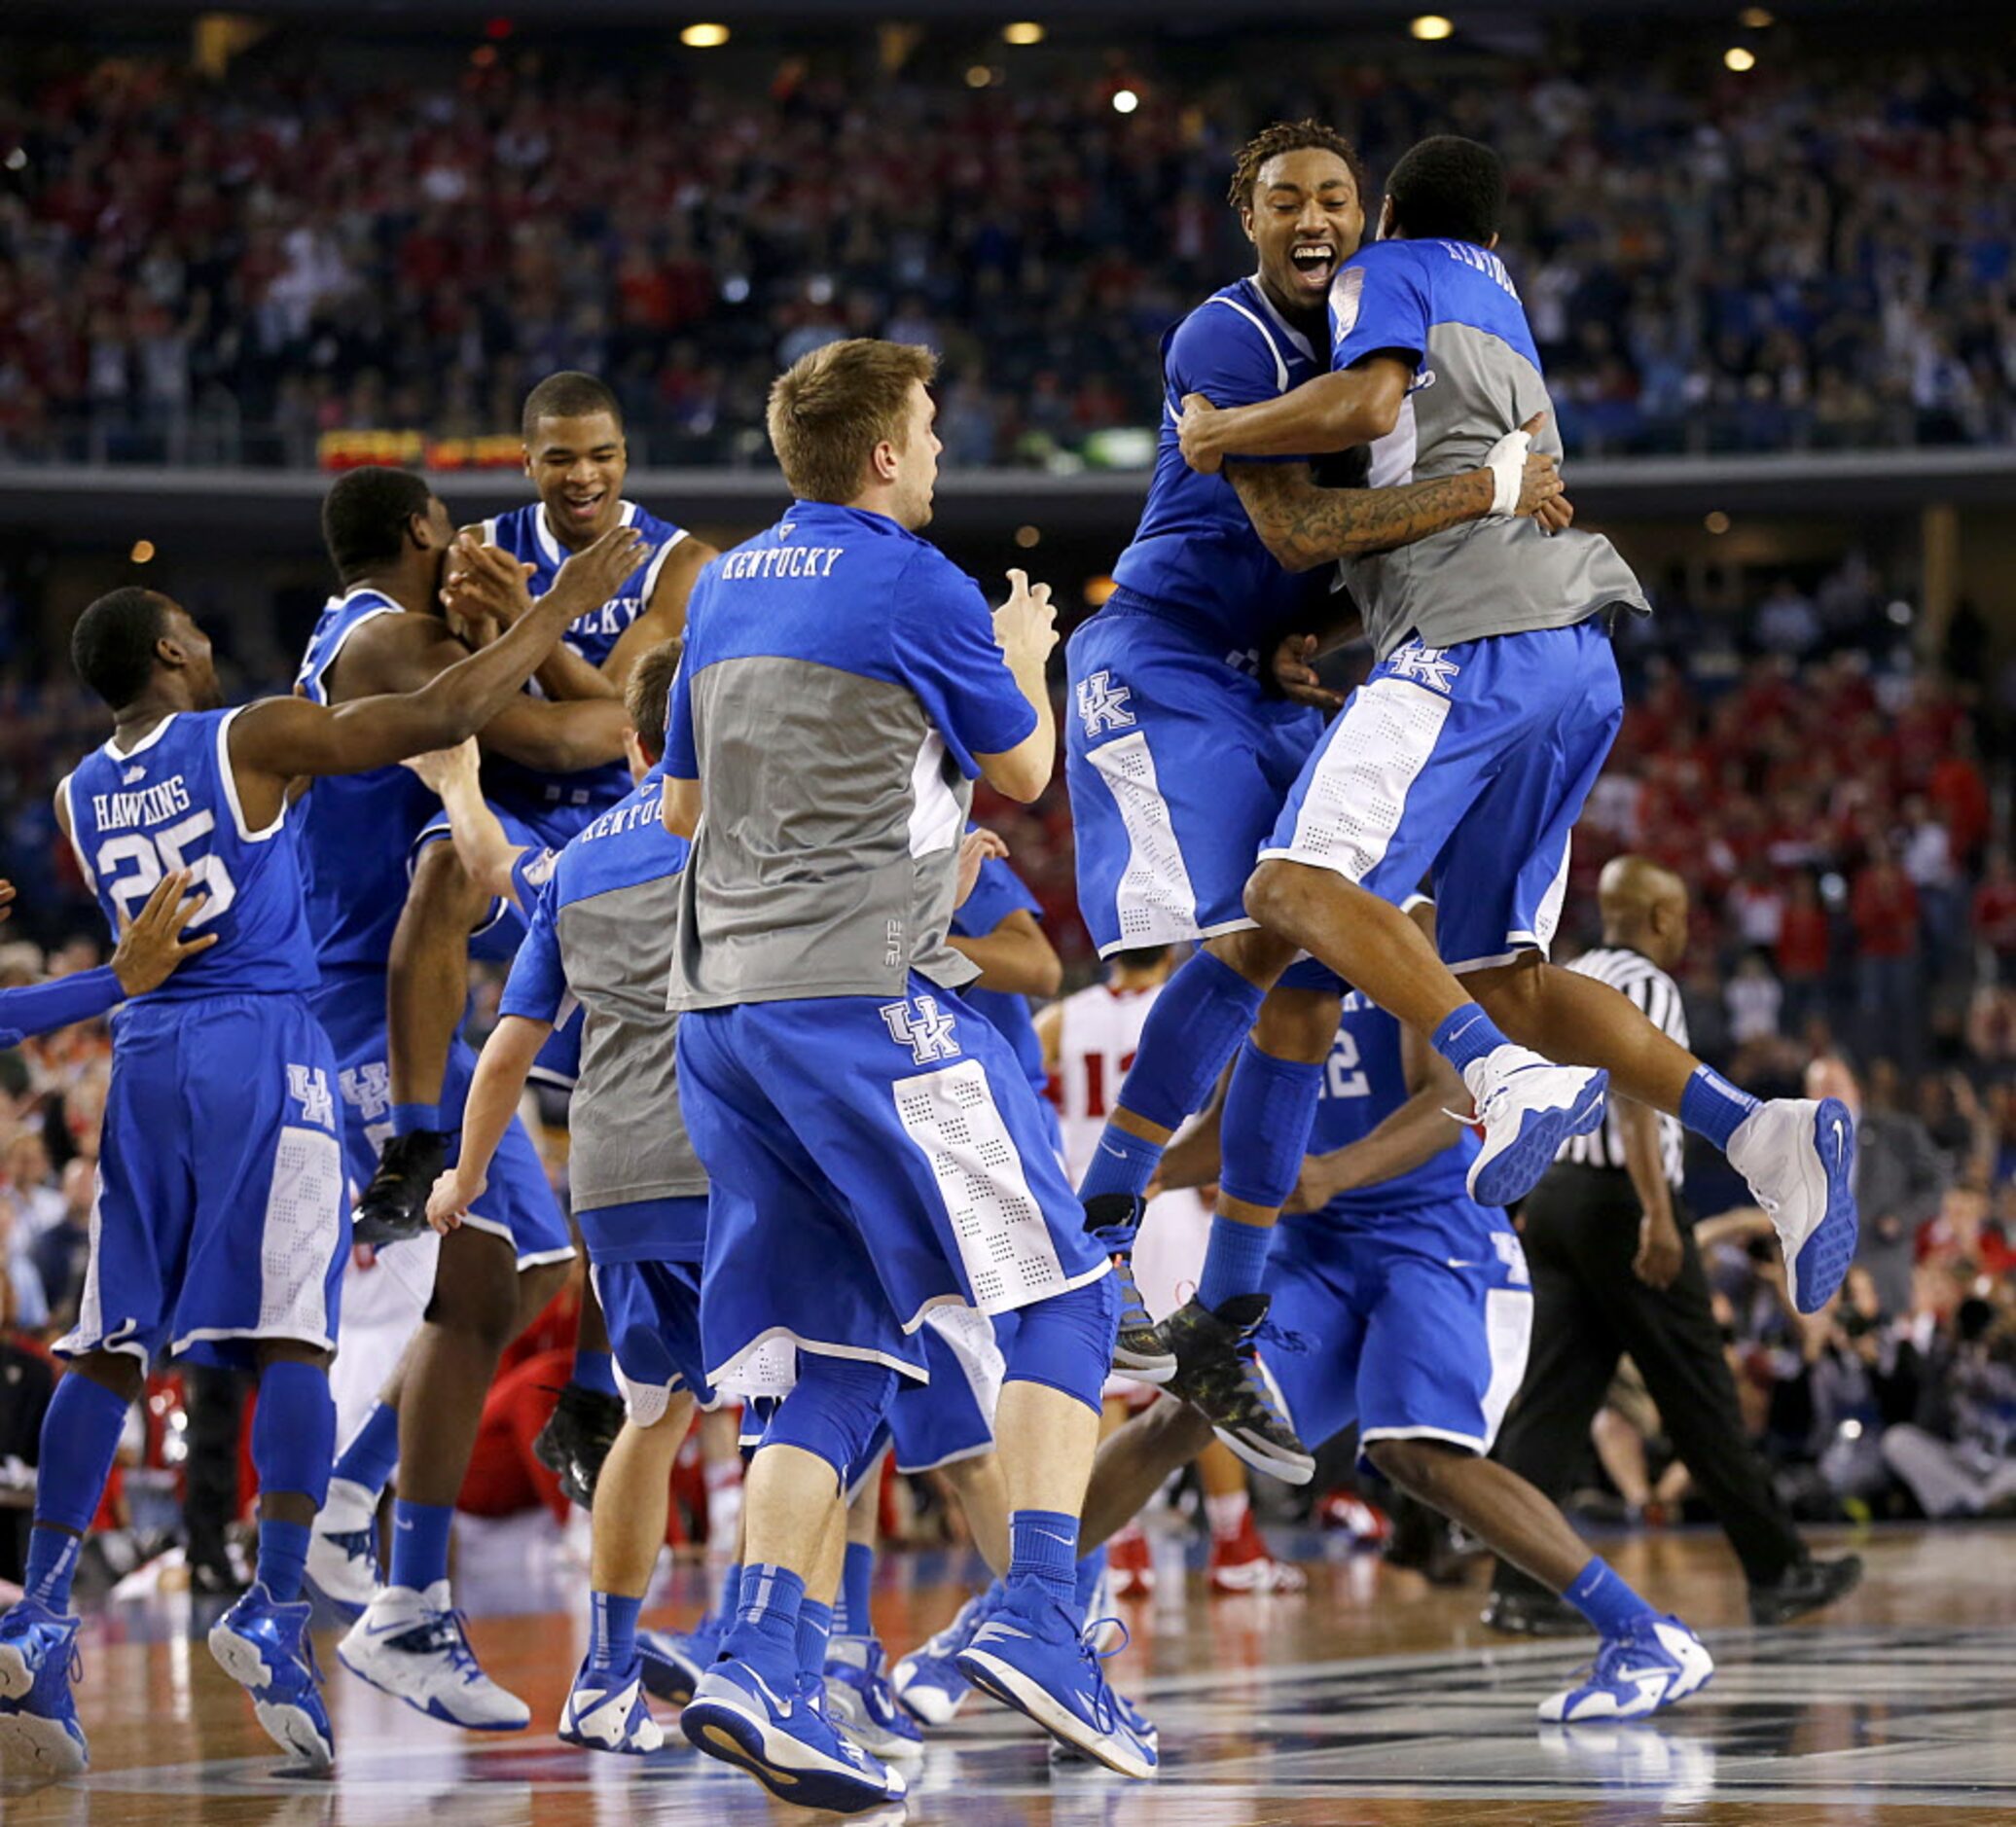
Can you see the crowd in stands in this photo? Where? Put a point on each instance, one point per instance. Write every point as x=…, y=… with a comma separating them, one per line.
x=1815, y=252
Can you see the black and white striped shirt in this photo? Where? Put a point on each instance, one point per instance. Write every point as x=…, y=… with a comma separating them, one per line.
x=1658, y=997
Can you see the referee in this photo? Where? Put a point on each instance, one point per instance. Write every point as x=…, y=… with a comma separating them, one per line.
x=1615, y=1270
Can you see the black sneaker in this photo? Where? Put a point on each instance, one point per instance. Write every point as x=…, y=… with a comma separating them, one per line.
x=1114, y=1219
x=1218, y=1374
x=1805, y=1586
x=576, y=1440
x=395, y=1205
x=1535, y=1614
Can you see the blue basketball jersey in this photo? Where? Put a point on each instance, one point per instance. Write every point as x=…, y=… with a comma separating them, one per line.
x=1364, y=1081
x=169, y=803
x=1195, y=557
x=356, y=829
x=525, y=534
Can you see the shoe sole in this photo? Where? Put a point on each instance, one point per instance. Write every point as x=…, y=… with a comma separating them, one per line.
x=726, y=1732
x=16, y=1678
x=1821, y=1264
x=325, y=1590
x=1670, y=1697
x=629, y=1748
x=1012, y=1688
x=1144, y=1367
x=433, y=1709
x=294, y=1729
x=939, y=1711
x=1275, y=1461
x=381, y=1233
x=34, y=1746
x=1516, y=1169
x=667, y=1680
x=1269, y=1577
x=1784, y=1613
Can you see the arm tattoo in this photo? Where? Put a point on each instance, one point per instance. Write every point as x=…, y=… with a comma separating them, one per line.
x=1305, y=526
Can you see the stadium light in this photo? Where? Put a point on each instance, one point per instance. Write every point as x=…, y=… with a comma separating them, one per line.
x=1430, y=27
x=1029, y=538
x=1740, y=58
x=706, y=37
x=1756, y=18
x=142, y=551
x=1023, y=32
x=1717, y=522
x=1125, y=101
x=17, y=159
x=978, y=76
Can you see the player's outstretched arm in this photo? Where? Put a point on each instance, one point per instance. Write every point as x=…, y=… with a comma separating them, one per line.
x=1026, y=626
x=665, y=615
x=150, y=947
x=486, y=852
x=1335, y=411
x=282, y=738
x=499, y=1081
x=1015, y=958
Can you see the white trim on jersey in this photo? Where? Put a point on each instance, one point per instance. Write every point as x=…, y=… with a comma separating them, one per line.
x=1281, y=323
x=657, y=564
x=549, y=540
x=230, y=782
x=1155, y=902
x=1657, y=997
x=1274, y=348
x=317, y=690
x=145, y=743
x=1394, y=456
x=936, y=822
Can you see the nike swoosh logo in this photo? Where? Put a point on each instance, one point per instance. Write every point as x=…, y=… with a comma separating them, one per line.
x=1840, y=1139
x=1107, y=1148
x=389, y=1629
x=1458, y=1262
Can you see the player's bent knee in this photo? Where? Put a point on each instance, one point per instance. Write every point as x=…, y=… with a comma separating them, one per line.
x=1419, y=1467
x=441, y=889
x=1513, y=995
x=833, y=1410
x=1256, y=955
x=120, y=1372
x=1299, y=1024
x=1065, y=1342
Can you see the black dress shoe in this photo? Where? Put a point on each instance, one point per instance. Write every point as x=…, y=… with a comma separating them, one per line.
x=1805, y=1586
x=1524, y=1614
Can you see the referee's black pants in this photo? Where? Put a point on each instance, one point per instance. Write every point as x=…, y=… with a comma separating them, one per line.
x=1580, y=1228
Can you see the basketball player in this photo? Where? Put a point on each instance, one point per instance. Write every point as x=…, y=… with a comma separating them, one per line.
x=602, y=935
x=388, y=538
x=220, y=1227
x=150, y=947
x=1404, y=1305
x=842, y=688
x=1470, y=751
x=1179, y=759
x=576, y=459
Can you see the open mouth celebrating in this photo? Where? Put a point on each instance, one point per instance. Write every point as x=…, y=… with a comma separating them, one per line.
x=1315, y=263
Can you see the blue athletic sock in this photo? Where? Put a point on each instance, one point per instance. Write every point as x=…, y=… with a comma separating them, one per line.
x=853, y=1614
x=1089, y=1567
x=1601, y=1597
x=1270, y=1109
x=1712, y=1107
x=731, y=1600
x=51, y=1565
x=294, y=1431
x=420, y=1543
x=374, y=1450
x=1120, y=1164
x=1235, y=1261
x=596, y=1370
x=765, y=1630
x=1043, y=1562
x=80, y=1438
x=815, y=1632
x=612, y=1630
x=283, y=1558
x=1466, y=1035
x=407, y=1117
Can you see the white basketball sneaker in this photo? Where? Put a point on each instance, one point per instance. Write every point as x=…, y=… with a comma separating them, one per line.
x=1655, y=1663
x=1528, y=1107
x=344, y=1550
x=1798, y=1158
x=412, y=1646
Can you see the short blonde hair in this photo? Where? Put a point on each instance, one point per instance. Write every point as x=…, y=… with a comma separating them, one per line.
x=830, y=409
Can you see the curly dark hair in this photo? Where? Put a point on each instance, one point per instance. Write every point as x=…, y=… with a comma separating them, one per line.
x=1286, y=136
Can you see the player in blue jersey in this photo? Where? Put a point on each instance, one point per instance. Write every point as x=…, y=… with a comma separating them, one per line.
x=150, y=947
x=1181, y=751
x=220, y=1228
x=388, y=538
x=1403, y=1305
x=1470, y=749
x=576, y=459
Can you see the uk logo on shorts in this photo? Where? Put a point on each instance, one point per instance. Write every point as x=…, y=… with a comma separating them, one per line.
x=1423, y=665
x=308, y=1087
x=923, y=1027
x=1102, y=704
x=368, y=1089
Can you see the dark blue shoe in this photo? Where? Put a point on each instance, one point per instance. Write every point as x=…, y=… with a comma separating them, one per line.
x=264, y=1647
x=39, y=1733
x=1047, y=1670
x=1528, y=1107
x=1798, y=1158
x=786, y=1742
x=673, y=1663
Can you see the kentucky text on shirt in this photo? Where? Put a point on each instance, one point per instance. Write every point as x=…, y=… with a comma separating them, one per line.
x=1485, y=263
x=118, y=811
x=780, y=561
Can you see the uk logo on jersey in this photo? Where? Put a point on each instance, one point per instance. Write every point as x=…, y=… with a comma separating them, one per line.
x=1102, y=704
x=923, y=1027
x=368, y=1089
x=1423, y=665
x=308, y=1087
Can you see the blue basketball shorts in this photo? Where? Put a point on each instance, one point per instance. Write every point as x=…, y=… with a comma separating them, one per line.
x=1178, y=764
x=650, y=1298
x=219, y=1218
x=1467, y=766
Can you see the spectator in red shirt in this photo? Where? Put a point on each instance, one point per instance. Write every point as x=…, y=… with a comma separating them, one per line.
x=1884, y=906
x=1803, y=945
x=1994, y=915
x=1961, y=796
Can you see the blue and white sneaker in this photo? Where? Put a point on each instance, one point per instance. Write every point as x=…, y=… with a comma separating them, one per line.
x=1657, y=1662
x=929, y=1681
x=1135, y=1721
x=673, y=1663
x=39, y=1733
x=606, y=1711
x=1798, y=1158
x=343, y=1549
x=412, y=1646
x=1528, y=1107
x=264, y=1647
x=1052, y=1674
x=786, y=1742
x=860, y=1701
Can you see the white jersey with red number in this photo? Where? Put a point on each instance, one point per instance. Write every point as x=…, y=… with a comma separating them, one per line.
x=1097, y=1037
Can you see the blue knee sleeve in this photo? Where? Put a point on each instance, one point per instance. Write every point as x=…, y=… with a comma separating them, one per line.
x=1270, y=1109
x=294, y=1430
x=80, y=1438
x=1065, y=1342
x=1194, y=1027
x=834, y=1408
